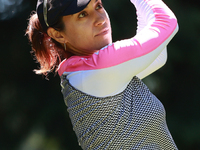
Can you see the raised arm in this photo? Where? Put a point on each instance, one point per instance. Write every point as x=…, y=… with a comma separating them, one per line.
x=111, y=69
x=159, y=61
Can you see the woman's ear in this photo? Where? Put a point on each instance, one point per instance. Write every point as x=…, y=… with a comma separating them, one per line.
x=56, y=35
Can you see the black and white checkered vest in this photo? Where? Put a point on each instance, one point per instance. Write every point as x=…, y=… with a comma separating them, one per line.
x=131, y=120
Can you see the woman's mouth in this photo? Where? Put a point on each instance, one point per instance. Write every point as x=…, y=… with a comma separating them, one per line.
x=103, y=32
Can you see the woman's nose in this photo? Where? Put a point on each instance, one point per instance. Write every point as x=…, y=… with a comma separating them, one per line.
x=100, y=19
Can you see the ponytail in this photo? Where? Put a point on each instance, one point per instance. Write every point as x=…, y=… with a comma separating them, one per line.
x=47, y=51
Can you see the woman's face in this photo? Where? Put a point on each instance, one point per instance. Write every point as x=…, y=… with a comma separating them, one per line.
x=88, y=30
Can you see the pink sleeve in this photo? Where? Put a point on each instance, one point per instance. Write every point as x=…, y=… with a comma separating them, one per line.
x=161, y=24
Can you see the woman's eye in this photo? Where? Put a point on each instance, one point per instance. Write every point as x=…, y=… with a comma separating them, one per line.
x=99, y=6
x=83, y=14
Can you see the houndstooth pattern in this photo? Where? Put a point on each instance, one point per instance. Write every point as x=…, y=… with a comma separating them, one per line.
x=131, y=120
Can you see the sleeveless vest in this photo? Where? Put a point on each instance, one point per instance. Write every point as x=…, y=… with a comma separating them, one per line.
x=131, y=120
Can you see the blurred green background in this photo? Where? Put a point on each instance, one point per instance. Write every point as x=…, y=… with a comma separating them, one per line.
x=33, y=115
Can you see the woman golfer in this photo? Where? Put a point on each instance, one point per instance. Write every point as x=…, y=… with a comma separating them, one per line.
x=109, y=106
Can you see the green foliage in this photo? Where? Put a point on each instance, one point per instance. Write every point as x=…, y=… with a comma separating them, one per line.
x=32, y=111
